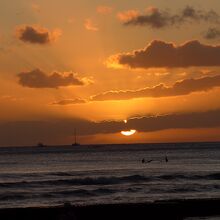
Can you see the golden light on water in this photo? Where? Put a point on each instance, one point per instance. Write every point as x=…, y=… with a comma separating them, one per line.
x=128, y=133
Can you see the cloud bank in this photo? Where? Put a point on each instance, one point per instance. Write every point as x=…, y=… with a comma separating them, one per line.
x=157, y=19
x=31, y=132
x=38, y=79
x=160, y=54
x=36, y=35
x=183, y=87
x=180, y=88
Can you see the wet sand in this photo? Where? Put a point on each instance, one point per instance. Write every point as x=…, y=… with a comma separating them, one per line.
x=171, y=210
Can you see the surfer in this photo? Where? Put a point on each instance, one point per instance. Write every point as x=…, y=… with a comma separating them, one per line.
x=166, y=159
x=144, y=161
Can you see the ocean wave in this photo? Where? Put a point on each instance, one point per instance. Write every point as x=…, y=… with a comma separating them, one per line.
x=79, y=181
x=23, y=195
x=12, y=196
x=86, y=192
x=213, y=176
x=103, y=180
x=77, y=192
x=104, y=191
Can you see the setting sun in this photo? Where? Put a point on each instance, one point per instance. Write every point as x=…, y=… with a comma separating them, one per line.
x=109, y=106
x=128, y=133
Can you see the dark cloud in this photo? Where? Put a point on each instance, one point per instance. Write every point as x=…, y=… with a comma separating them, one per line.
x=156, y=18
x=183, y=87
x=69, y=102
x=31, y=132
x=159, y=54
x=198, y=15
x=212, y=33
x=187, y=120
x=36, y=35
x=39, y=79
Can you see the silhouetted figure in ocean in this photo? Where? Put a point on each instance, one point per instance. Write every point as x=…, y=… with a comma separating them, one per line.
x=166, y=159
x=144, y=161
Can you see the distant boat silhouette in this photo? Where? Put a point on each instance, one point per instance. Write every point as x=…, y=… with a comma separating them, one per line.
x=75, y=144
x=41, y=145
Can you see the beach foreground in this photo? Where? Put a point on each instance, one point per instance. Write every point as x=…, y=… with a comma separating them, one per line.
x=172, y=210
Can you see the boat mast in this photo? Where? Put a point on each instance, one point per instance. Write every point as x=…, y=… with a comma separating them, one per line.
x=75, y=135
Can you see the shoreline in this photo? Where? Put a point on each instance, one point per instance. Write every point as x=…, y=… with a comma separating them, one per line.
x=171, y=209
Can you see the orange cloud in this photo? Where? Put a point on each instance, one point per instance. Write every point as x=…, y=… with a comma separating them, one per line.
x=10, y=98
x=180, y=88
x=69, y=102
x=39, y=79
x=90, y=26
x=102, y=9
x=127, y=15
x=36, y=35
x=183, y=87
x=159, y=54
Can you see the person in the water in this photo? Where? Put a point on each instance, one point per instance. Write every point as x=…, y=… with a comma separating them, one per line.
x=144, y=161
x=166, y=159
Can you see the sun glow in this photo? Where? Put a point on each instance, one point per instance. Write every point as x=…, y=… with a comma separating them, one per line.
x=128, y=133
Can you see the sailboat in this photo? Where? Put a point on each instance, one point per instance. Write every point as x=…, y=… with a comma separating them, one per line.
x=41, y=145
x=75, y=144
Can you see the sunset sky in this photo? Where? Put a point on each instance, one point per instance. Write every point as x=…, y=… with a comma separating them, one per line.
x=90, y=65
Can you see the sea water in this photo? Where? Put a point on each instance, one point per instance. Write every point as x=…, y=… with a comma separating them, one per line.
x=53, y=175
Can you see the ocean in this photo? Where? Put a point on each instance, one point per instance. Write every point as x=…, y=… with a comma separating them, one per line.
x=106, y=174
